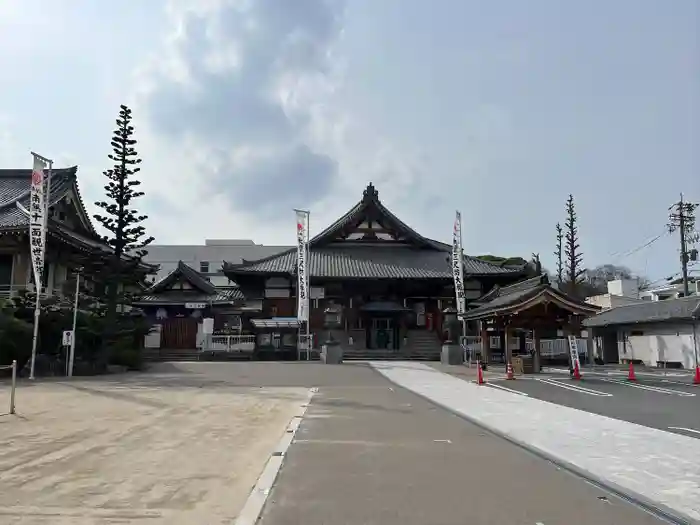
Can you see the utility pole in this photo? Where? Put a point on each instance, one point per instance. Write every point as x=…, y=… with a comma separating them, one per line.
x=682, y=219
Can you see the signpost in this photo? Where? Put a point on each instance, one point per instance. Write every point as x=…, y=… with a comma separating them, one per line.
x=67, y=343
x=67, y=338
x=195, y=306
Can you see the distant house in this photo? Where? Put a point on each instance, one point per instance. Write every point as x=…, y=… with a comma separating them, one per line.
x=672, y=290
x=621, y=292
x=655, y=333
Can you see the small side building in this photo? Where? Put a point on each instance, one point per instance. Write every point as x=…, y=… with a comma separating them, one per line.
x=531, y=318
x=653, y=333
x=178, y=303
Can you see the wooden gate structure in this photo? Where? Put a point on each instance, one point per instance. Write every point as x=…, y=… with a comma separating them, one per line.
x=179, y=333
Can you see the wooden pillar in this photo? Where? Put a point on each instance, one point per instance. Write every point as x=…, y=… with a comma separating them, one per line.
x=508, y=338
x=536, y=357
x=485, y=345
x=590, y=348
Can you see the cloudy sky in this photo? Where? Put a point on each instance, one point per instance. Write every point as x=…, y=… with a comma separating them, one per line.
x=245, y=109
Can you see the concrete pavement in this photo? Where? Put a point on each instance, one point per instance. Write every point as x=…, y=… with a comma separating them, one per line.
x=660, y=468
x=664, y=400
x=371, y=453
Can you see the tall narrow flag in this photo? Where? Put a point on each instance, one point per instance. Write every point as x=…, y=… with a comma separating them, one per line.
x=37, y=219
x=302, y=265
x=458, y=264
x=38, y=215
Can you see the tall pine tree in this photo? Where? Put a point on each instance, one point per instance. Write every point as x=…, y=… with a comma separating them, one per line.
x=559, y=254
x=126, y=234
x=572, y=249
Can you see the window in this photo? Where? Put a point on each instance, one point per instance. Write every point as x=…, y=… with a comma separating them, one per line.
x=204, y=267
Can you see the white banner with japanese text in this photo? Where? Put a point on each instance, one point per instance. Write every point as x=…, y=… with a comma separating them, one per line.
x=458, y=264
x=37, y=219
x=302, y=265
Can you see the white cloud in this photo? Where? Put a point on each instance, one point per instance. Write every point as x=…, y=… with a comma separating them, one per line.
x=239, y=111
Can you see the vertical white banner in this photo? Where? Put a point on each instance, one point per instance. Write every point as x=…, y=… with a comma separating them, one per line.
x=302, y=265
x=458, y=264
x=37, y=219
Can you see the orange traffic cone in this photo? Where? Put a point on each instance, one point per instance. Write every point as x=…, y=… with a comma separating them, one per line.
x=631, y=376
x=479, y=374
x=509, y=371
x=696, y=379
x=577, y=372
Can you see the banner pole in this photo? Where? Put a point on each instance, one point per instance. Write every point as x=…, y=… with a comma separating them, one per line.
x=308, y=290
x=39, y=279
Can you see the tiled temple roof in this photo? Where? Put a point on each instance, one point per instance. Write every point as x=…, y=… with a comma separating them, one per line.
x=202, y=290
x=416, y=257
x=520, y=296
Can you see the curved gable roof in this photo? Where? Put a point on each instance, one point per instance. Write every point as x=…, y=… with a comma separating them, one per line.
x=333, y=261
x=189, y=274
x=15, y=188
x=523, y=295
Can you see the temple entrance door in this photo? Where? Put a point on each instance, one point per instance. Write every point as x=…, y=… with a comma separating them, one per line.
x=382, y=335
x=179, y=333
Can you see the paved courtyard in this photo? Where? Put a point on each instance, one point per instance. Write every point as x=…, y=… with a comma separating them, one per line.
x=155, y=449
x=185, y=444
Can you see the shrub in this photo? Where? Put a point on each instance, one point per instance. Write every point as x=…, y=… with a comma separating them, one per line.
x=15, y=339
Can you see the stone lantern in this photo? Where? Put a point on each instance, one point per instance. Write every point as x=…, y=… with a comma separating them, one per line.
x=450, y=325
x=452, y=353
x=331, y=351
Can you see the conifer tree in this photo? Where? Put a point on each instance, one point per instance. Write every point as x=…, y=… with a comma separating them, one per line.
x=559, y=254
x=572, y=249
x=125, y=232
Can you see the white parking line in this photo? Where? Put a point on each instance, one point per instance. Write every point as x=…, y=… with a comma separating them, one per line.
x=575, y=388
x=677, y=382
x=507, y=389
x=650, y=388
x=685, y=429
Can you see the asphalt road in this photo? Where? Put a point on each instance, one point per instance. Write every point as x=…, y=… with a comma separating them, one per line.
x=370, y=453
x=668, y=402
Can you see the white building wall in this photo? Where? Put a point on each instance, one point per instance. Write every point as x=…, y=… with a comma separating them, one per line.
x=658, y=343
x=213, y=252
x=607, y=301
x=624, y=288
x=674, y=291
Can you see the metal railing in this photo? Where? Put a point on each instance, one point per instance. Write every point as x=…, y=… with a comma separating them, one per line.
x=472, y=343
x=305, y=342
x=548, y=347
x=229, y=343
x=8, y=291
x=13, y=385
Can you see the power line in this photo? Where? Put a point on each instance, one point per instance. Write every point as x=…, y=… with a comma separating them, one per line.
x=619, y=255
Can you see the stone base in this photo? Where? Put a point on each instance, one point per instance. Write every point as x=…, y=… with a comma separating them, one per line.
x=331, y=354
x=452, y=355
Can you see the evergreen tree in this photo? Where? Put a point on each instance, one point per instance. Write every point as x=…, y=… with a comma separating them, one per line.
x=559, y=254
x=126, y=234
x=574, y=256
